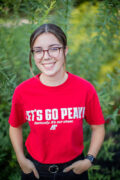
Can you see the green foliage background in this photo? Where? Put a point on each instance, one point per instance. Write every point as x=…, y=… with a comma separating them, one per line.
x=93, y=31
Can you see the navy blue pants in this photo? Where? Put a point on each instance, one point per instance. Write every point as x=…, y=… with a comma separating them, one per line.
x=54, y=172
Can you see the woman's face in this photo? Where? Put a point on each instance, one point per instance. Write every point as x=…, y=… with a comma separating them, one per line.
x=52, y=62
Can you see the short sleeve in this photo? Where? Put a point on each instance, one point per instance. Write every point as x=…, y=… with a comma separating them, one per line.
x=17, y=115
x=93, y=112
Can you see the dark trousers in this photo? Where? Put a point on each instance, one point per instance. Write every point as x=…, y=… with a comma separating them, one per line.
x=53, y=172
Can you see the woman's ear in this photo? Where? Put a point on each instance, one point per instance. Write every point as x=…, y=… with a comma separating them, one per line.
x=66, y=50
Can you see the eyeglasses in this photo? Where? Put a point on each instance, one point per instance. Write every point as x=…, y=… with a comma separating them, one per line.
x=52, y=52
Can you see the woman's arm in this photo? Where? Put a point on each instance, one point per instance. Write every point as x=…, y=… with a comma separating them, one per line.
x=97, y=138
x=17, y=141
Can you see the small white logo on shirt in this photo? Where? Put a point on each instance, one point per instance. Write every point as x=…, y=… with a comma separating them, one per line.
x=53, y=127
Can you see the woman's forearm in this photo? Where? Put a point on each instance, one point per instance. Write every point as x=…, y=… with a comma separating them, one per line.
x=17, y=141
x=97, y=138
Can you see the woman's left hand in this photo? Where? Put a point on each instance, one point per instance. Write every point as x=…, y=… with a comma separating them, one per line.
x=79, y=167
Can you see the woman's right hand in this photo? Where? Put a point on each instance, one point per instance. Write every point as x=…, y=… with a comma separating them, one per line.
x=27, y=166
x=17, y=141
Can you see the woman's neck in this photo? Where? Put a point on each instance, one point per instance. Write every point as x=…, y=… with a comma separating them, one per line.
x=55, y=80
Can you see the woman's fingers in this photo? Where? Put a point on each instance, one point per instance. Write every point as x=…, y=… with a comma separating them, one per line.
x=79, y=166
x=67, y=169
x=33, y=168
x=35, y=172
x=28, y=166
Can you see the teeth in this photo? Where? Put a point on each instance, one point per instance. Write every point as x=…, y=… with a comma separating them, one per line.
x=50, y=65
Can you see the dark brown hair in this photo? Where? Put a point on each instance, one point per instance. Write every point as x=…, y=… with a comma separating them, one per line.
x=51, y=28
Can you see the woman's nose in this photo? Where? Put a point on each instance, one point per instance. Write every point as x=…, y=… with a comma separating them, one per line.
x=46, y=54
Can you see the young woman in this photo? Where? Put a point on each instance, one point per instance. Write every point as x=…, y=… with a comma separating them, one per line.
x=54, y=103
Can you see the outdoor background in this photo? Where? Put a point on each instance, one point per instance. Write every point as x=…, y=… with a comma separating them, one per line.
x=93, y=32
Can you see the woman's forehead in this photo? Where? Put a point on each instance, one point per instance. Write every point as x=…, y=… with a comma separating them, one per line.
x=46, y=40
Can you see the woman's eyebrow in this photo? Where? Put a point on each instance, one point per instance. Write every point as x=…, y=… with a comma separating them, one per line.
x=48, y=46
x=38, y=47
x=54, y=45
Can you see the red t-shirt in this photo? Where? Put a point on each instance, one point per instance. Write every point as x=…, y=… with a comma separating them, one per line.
x=55, y=116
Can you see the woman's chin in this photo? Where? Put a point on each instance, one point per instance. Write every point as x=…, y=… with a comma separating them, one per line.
x=49, y=73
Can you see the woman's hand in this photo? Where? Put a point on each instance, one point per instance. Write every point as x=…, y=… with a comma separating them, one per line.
x=79, y=167
x=17, y=141
x=27, y=166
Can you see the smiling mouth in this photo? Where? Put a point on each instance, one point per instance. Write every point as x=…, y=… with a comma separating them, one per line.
x=49, y=66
